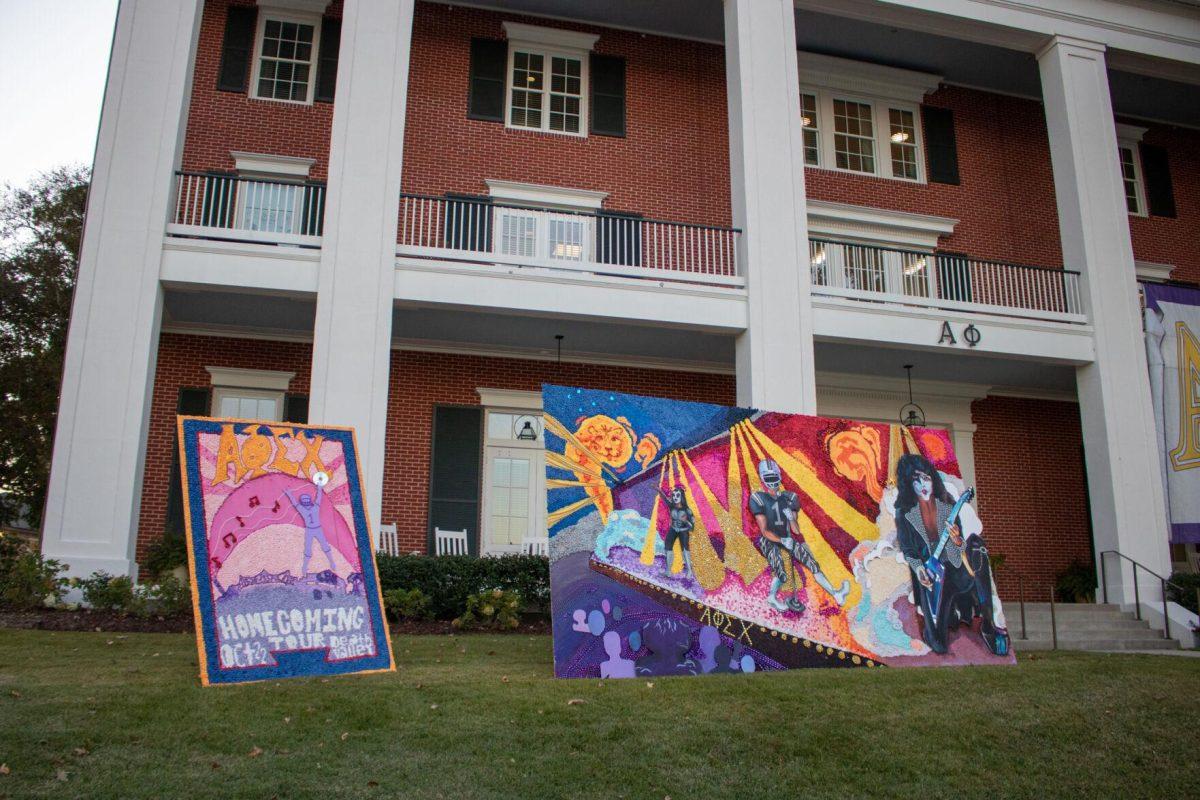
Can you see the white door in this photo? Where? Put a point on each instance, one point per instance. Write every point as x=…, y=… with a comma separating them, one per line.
x=514, y=482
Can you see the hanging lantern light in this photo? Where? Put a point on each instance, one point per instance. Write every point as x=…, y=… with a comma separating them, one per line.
x=911, y=414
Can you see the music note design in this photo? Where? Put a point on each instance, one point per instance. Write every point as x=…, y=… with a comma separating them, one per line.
x=254, y=502
x=241, y=522
x=275, y=508
x=229, y=540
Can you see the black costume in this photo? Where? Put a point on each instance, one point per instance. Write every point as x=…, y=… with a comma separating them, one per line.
x=779, y=510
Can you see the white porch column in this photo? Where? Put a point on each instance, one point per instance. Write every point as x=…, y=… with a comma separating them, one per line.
x=766, y=152
x=95, y=491
x=1114, y=392
x=353, y=331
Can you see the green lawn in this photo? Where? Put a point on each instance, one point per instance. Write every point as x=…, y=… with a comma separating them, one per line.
x=104, y=715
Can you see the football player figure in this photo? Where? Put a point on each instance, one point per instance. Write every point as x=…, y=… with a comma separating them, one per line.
x=680, y=528
x=774, y=510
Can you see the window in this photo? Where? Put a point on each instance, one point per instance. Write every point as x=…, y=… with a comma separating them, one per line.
x=549, y=232
x=547, y=79
x=863, y=135
x=514, y=484
x=853, y=136
x=269, y=207
x=1131, y=177
x=285, y=58
x=248, y=393
x=811, y=123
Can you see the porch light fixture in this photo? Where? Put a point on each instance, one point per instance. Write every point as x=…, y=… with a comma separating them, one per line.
x=915, y=266
x=911, y=414
x=527, y=433
x=558, y=337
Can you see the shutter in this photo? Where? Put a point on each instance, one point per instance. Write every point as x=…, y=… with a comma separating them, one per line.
x=192, y=403
x=327, y=59
x=455, y=471
x=618, y=238
x=485, y=96
x=218, y=207
x=1156, y=174
x=237, y=48
x=607, y=80
x=940, y=144
x=295, y=408
x=953, y=276
x=312, y=215
x=468, y=223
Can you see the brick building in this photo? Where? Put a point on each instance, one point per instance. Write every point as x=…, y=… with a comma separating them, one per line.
x=389, y=213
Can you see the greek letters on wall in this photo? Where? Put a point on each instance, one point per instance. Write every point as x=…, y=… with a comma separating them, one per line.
x=688, y=538
x=283, y=572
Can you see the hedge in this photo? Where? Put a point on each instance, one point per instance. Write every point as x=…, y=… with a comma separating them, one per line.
x=449, y=580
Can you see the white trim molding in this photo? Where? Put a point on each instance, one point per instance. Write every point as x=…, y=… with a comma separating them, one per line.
x=1152, y=271
x=265, y=165
x=519, y=33
x=861, y=77
x=237, y=377
x=879, y=226
x=536, y=194
x=1130, y=133
x=514, y=399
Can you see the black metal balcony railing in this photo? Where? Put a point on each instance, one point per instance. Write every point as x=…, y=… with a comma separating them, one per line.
x=955, y=282
x=248, y=209
x=477, y=230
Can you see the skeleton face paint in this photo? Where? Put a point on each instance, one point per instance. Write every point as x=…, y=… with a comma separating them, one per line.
x=923, y=485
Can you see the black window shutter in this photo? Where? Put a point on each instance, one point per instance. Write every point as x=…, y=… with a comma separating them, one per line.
x=485, y=96
x=608, y=95
x=941, y=144
x=619, y=238
x=327, y=59
x=953, y=276
x=455, y=471
x=1156, y=173
x=468, y=223
x=237, y=48
x=295, y=408
x=192, y=403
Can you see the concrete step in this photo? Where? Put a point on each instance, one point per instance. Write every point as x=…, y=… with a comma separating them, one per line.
x=1025, y=645
x=1115, y=624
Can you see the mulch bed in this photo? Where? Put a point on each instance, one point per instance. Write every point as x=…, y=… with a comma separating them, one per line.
x=56, y=620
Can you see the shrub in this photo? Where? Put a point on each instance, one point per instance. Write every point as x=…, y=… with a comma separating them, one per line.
x=402, y=604
x=449, y=580
x=1182, y=589
x=28, y=581
x=166, y=554
x=170, y=597
x=104, y=592
x=1076, y=583
x=494, y=609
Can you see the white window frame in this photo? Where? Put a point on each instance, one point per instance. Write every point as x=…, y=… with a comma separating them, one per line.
x=266, y=14
x=257, y=383
x=548, y=43
x=542, y=202
x=881, y=125
x=1128, y=138
x=500, y=401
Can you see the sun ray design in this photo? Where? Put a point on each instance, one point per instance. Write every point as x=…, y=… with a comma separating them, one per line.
x=559, y=461
x=559, y=514
x=710, y=572
x=741, y=556
x=563, y=483
x=647, y=557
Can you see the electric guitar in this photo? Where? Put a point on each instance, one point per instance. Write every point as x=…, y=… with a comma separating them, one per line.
x=933, y=564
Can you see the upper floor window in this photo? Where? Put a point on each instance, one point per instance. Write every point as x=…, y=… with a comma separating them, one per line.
x=861, y=134
x=285, y=58
x=248, y=393
x=547, y=79
x=1129, y=138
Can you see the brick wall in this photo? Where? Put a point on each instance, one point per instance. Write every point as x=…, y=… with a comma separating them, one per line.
x=672, y=164
x=181, y=363
x=219, y=122
x=1032, y=494
x=1163, y=239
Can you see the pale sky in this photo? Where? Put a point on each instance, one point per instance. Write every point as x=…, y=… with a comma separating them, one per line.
x=53, y=64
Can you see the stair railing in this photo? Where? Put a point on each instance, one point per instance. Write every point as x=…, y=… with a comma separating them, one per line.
x=1137, y=598
x=1053, y=618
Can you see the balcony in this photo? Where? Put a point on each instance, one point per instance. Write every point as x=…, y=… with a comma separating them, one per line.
x=944, y=281
x=236, y=209
x=476, y=230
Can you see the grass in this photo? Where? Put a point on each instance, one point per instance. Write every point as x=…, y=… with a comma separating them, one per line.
x=101, y=715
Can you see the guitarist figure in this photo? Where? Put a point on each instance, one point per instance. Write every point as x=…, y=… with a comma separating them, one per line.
x=952, y=579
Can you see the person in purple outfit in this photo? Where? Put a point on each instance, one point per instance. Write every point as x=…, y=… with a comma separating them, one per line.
x=309, y=509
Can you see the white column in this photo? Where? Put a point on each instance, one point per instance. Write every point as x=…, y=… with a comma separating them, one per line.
x=353, y=331
x=94, y=496
x=766, y=152
x=1114, y=393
